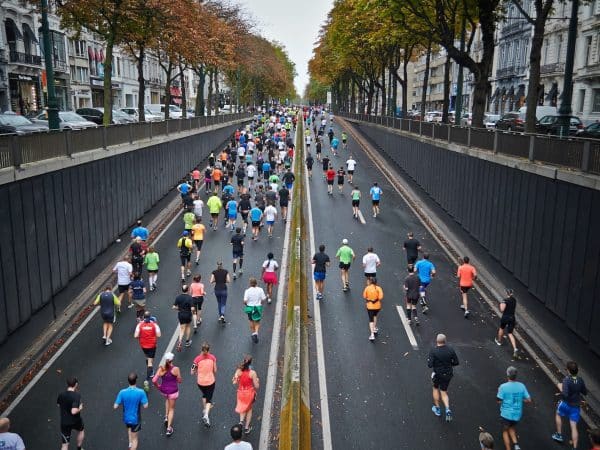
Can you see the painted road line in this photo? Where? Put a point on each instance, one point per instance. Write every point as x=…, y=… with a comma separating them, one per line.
x=265, y=428
x=361, y=217
x=407, y=328
x=324, y=399
x=69, y=341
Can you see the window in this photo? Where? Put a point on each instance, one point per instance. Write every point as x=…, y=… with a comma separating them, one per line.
x=580, y=100
x=517, y=59
x=73, y=73
x=546, y=45
x=588, y=50
x=596, y=105
x=559, y=44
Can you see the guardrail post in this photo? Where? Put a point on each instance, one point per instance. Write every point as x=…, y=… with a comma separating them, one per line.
x=531, y=147
x=409, y=125
x=420, y=128
x=468, y=136
x=432, y=131
x=585, y=157
x=495, y=147
x=151, y=135
x=167, y=127
x=130, y=129
x=449, y=132
x=15, y=151
x=68, y=143
x=104, y=139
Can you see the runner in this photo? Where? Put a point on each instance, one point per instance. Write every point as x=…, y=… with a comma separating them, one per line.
x=318, y=149
x=355, y=195
x=70, y=405
x=198, y=230
x=170, y=379
x=236, y=433
x=511, y=396
x=508, y=306
x=325, y=164
x=185, y=245
x=442, y=358
x=124, y=270
x=571, y=390
x=321, y=261
x=345, y=255
x=351, y=167
x=341, y=177
x=220, y=277
x=335, y=143
x=411, y=247
x=284, y=200
x=183, y=305
x=196, y=178
x=132, y=399
x=309, y=164
x=269, y=275
x=270, y=216
x=376, y=193
x=151, y=261
x=248, y=383
x=137, y=252
x=251, y=173
x=373, y=294
x=232, y=208
x=184, y=191
x=330, y=176
x=148, y=332
x=140, y=231
x=466, y=274
x=205, y=368
x=344, y=140
x=370, y=263
x=214, y=208
x=137, y=291
x=255, y=217
x=217, y=176
x=208, y=179
x=108, y=302
x=288, y=179
x=211, y=160
x=197, y=293
x=11, y=441
x=426, y=270
x=240, y=174
x=198, y=206
x=266, y=169
x=253, y=298
x=411, y=287
x=237, y=243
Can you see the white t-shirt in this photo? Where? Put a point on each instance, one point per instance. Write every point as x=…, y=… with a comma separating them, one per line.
x=281, y=145
x=370, y=261
x=251, y=171
x=270, y=213
x=198, y=204
x=254, y=296
x=308, y=138
x=270, y=265
x=351, y=164
x=274, y=187
x=243, y=445
x=241, y=151
x=251, y=145
x=124, y=270
x=12, y=441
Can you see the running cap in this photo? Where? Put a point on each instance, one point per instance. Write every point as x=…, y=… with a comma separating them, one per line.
x=169, y=356
x=185, y=233
x=509, y=291
x=344, y=241
x=511, y=372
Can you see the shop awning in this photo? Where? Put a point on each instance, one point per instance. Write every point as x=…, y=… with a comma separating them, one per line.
x=101, y=55
x=97, y=55
x=29, y=32
x=496, y=94
x=13, y=26
x=91, y=53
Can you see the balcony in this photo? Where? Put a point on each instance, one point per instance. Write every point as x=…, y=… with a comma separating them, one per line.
x=24, y=58
x=551, y=69
x=510, y=71
x=3, y=56
x=60, y=66
x=588, y=72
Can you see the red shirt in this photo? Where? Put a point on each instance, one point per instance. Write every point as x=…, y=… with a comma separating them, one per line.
x=196, y=174
x=330, y=174
x=466, y=273
x=147, y=334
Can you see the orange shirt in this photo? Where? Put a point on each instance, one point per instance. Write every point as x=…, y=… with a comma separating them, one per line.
x=198, y=232
x=373, y=295
x=466, y=274
x=223, y=156
x=217, y=174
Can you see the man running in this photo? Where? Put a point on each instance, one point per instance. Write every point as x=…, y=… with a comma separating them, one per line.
x=147, y=333
x=198, y=230
x=137, y=292
x=214, y=208
x=132, y=399
x=373, y=294
x=321, y=261
x=325, y=165
x=288, y=179
x=185, y=244
x=351, y=166
x=466, y=274
x=442, y=358
x=370, y=263
x=341, y=177
x=426, y=270
x=411, y=288
x=70, y=405
x=232, y=209
x=309, y=164
x=108, y=302
x=508, y=306
x=124, y=271
x=355, y=196
x=318, y=149
x=255, y=217
x=237, y=247
x=345, y=255
x=376, y=193
x=197, y=292
x=571, y=390
x=330, y=176
x=183, y=305
x=140, y=231
x=270, y=216
x=284, y=199
x=344, y=140
x=411, y=247
x=511, y=396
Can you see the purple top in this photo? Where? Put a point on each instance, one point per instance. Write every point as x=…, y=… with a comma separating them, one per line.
x=169, y=383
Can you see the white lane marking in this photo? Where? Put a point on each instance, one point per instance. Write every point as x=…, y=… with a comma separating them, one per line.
x=361, y=217
x=407, y=328
x=325, y=423
x=68, y=342
x=265, y=428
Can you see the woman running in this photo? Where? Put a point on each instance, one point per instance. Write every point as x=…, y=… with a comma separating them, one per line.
x=151, y=261
x=247, y=381
x=253, y=298
x=373, y=295
x=269, y=275
x=167, y=380
x=220, y=278
x=205, y=367
x=208, y=179
x=197, y=293
x=355, y=194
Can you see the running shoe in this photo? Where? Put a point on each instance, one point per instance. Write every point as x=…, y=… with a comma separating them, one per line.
x=234, y=276
x=372, y=337
x=166, y=421
x=558, y=437
x=417, y=323
x=467, y=313
x=425, y=309
x=255, y=338
x=108, y=342
x=241, y=271
x=130, y=306
x=462, y=307
x=197, y=263
x=169, y=431
x=188, y=343
x=146, y=386
x=436, y=410
x=269, y=300
x=517, y=447
x=248, y=429
x=206, y=421
x=516, y=353
x=497, y=341
x=448, y=415
x=409, y=321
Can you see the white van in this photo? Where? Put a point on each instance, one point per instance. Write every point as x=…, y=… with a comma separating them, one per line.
x=540, y=111
x=174, y=110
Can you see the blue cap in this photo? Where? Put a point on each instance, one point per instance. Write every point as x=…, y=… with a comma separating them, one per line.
x=185, y=233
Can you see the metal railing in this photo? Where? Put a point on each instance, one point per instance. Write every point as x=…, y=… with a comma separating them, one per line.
x=571, y=152
x=25, y=58
x=16, y=149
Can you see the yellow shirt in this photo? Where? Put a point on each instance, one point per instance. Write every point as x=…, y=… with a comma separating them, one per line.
x=198, y=232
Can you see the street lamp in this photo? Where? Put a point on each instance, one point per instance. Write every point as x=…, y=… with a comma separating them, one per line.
x=52, y=103
x=565, y=107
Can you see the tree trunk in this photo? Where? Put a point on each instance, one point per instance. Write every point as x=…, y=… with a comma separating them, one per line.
x=446, y=105
x=370, y=92
x=535, y=57
x=210, y=93
x=405, y=86
x=141, y=83
x=393, y=85
x=217, y=93
x=383, y=93
x=425, y=80
x=108, y=100
x=480, y=93
x=353, y=97
x=200, y=103
x=183, y=94
x=168, y=89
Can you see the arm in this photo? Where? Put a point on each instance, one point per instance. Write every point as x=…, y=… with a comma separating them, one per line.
x=136, y=333
x=212, y=279
x=454, y=360
x=502, y=308
x=255, y=380
x=177, y=373
x=430, y=359
x=228, y=279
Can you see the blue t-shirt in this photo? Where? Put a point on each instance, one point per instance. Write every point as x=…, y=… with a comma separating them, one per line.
x=184, y=188
x=132, y=399
x=140, y=232
x=424, y=267
x=137, y=287
x=242, y=139
x=266, y=167
x=375, y=192
x=255, y=214
x=512, y=395
x=335, y=143
x=232, y=207
x=229, y=190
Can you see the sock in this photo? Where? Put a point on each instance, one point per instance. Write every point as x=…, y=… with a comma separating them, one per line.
x=149, y=371
x=241, y=262
x=234, y=266
x=408, y=313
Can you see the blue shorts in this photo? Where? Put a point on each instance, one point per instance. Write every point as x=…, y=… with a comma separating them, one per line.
x=232, y=216
x=566, y=410
x=270, y=222
x=288, y=186
x=424, y=285
x=319, y=276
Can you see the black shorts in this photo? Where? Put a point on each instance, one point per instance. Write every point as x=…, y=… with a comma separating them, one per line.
x=356, y=203
x=65, y=431
x=123, y=288
x=375, y=202
x=351, y=172
x=207, y=392
x=507, y=324
x=237, y=255
x=340, y=181
x=199, y=244
x=330, y=182
x=198, y=303
x=106, y=318
x=370, y=275
x=344, y=266
x=184, y=318
x=245, y=216
x=149, y=352
x=283, y=204
x=256, y=223
x=507, y=423
x=441, y=382
x=134, y=427
x=240, y=182
x=465, y=289
x=214, y=215
x=411, y=259
x=185, y=259
x=217, y=182
x=412, y=301
x=372, y=313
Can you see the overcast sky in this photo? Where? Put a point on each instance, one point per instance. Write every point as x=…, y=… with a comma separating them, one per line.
x=295, y=24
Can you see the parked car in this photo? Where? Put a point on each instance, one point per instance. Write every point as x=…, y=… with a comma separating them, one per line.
x=466, y=119
x=511, y=121
x=148, y=115
x=13, y=123
x=591, y=131
x=175, y=111
x=433, y=116
x=489, y=120
x=540, y=111
x=96, y=115
x=68, y=120
x=551, y=125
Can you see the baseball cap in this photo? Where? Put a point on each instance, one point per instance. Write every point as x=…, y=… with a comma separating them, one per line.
x=185, y=233
x=344, y=241
x=169, y=356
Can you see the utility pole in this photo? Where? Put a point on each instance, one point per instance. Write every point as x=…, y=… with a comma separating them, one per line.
x=458, y=106
x=52, y=103
x=567, y=95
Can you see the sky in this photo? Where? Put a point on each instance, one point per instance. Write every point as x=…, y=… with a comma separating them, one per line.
x=295, y=24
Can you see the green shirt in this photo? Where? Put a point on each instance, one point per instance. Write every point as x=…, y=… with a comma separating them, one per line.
x=151, y=261
x=346, y=254
x=188, y=220
x=214, y=204
x=274, y=179
x=355, y=194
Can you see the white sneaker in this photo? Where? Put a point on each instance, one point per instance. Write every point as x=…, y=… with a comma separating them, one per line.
x=372, y=337
x=108, y=342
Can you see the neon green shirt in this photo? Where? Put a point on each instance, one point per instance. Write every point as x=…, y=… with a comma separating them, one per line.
x=188, y=220
x=151, y=261
x=214, y=204
x=346, y=254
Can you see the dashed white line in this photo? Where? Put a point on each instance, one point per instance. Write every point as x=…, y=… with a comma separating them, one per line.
x=407, y=328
